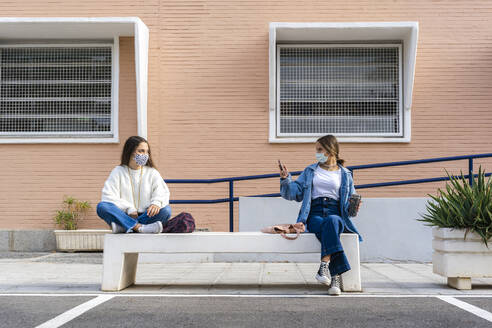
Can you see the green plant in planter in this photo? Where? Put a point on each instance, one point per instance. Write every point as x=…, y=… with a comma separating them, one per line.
x=73, y=210
x=462, y=206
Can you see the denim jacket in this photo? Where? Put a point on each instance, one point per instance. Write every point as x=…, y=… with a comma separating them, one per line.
x=301, y=189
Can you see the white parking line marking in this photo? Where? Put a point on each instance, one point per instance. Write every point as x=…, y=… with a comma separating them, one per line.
x=75, y=312
x=349, y=295
x=467, y=307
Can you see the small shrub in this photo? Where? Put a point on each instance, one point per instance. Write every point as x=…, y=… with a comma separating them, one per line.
x=462, y=206
x=73, y=210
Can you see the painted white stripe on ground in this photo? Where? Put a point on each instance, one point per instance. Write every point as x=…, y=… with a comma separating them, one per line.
x=75, y=312
x=349, y=295
x=468, y=307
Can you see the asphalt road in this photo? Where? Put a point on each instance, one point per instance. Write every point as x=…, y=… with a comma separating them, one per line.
x=206, y=311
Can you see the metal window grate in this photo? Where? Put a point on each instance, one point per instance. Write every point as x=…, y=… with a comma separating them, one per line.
x=346, y=90
x=55, y=91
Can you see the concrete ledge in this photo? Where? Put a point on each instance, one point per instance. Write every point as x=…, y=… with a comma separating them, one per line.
x=27, y=240
x=4, y=241
x=389, y=226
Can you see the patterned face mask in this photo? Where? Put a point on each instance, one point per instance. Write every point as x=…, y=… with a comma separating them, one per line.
x=141, y=159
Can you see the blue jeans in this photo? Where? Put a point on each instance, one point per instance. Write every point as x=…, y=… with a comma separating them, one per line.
x=109, y=212
x=324, y=220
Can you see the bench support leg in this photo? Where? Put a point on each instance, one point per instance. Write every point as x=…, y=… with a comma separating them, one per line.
x=120, y=270
x=351, y=279
x=460, y=283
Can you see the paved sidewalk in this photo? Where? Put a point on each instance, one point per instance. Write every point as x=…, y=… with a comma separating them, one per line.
x=81, y=273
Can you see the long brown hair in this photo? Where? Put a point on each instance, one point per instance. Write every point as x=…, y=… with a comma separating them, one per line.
x=130, y=145
x=330, y=144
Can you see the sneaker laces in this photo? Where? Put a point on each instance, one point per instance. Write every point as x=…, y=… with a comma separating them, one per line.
x=336, y=281
x=323, y=269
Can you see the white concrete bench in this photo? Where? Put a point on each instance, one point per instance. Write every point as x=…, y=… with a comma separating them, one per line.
x=121, y=251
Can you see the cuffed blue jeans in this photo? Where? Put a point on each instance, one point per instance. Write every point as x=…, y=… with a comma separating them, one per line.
x=325, y=222
x=109, y=212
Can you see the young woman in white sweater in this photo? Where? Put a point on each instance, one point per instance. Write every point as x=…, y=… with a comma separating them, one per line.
x=135, y=198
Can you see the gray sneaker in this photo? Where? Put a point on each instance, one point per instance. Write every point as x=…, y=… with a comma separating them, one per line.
x=116, y=228
x=323, y=274
x=155, y=227
x=336, y=285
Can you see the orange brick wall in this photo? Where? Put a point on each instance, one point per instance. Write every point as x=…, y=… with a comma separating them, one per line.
x=36, y=177
x=208, y=102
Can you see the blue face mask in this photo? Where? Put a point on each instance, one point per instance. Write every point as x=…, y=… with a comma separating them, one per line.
x=141, y=159
x=320, y=157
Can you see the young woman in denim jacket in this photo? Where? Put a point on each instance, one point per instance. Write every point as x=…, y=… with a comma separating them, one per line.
x=324, y=189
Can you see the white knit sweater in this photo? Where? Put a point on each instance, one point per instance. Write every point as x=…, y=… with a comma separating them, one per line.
x=117, y=189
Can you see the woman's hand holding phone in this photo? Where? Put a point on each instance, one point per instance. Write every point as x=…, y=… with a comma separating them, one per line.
x=284, y=173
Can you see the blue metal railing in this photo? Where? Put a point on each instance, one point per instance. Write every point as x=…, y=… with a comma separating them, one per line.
x=231, y=199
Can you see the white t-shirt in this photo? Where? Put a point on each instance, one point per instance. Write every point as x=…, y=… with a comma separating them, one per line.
x=326, y=183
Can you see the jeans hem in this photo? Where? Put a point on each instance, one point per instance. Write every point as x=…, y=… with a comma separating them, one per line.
x=340, y=270
x=130, y=230
x=330, y=251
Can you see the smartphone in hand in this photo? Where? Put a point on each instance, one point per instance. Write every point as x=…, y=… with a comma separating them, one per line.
x=283, y=170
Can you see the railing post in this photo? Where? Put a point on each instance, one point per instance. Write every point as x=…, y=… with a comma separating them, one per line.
x=470, y=171
x=231, y=205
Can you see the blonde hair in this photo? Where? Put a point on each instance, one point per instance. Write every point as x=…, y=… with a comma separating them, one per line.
x=330, y=144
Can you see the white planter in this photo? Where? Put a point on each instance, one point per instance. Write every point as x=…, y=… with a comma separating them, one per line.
x=80, y=240
x=458, y=259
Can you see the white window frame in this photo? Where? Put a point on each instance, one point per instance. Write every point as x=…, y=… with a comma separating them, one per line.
x=405, y=33
x=77, y=137
x=88, y=28
x=343, y=45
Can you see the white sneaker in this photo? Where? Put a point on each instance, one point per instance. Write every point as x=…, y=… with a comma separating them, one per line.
x=323, y=274
x=336, y=285
x=155, y=227
x=116, y=228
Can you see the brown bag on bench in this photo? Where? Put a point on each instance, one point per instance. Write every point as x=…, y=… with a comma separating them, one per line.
x=283, y=229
